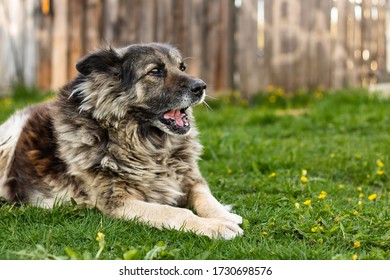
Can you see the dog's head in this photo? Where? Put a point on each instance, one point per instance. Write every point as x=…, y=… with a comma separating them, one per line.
x=146, y=83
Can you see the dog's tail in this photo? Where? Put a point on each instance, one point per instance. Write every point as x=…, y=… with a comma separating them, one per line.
x=9, y=136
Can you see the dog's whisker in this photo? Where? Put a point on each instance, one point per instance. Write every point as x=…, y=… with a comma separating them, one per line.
x=204, y=103
x=211, y=97
x=187, y=58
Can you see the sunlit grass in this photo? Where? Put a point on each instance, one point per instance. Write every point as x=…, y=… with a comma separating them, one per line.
x=308, y=172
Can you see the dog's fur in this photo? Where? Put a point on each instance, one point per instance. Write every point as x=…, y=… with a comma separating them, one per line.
x=120, y=137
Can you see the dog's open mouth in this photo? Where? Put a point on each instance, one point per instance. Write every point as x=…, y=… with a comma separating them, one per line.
x=176, y=120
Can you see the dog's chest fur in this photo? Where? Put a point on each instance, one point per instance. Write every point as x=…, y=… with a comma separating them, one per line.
x=71, y=155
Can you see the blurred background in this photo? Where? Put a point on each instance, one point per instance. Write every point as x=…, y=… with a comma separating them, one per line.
x=244, y=46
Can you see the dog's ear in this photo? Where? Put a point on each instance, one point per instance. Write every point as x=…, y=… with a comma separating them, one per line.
x=104, y=61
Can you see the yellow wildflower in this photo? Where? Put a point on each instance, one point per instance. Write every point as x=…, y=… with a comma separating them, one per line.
x=272, y=99
x=272, y=175
x=279, y=91
x=319, y=94
x=379, y=163
x=355, y=257
x=360, y=202
x=304, y=172
x=304, y=179
x=6, y=102
x=356, y=244
x=229, y=171
x=270, y=88
x=322, y=195
x=341, y=186
x=372, y=196
x=297, y=205
x=360, y=189
x=380, y=172
x=307, y=202
x=356, y=213
x=265, y=233
x=361, y=195
x=313, y=229
x=100, y=236
x=358, y=156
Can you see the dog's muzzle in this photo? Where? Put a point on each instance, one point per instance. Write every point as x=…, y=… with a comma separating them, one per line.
x=176, y=120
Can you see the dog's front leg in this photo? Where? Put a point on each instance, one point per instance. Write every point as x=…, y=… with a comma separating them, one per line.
x=206, y=205
x=165, y=216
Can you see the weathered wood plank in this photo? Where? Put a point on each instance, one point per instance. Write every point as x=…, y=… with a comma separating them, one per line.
x=76, y=38
x=93, y=24
x=247, y=48
x=44, y=37
x=59, y=61
x=306, y=43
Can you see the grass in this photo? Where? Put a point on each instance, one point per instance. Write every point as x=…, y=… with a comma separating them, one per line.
x=309, y=174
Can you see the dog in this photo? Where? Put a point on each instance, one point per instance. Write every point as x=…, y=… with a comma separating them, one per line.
x=120, y=137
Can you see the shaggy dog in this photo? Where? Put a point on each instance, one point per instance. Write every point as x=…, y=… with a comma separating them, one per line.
x=120, y=137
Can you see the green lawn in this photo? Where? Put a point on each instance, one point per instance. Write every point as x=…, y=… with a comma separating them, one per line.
x=309, y=174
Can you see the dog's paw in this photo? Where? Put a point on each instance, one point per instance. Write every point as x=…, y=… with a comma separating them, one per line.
x=216, y=228
x=227, y=216
x=232, y=218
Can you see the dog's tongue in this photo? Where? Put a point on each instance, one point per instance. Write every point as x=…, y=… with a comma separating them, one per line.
x=175, y=115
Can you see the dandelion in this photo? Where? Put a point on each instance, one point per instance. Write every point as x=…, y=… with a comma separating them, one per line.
x=265, y=233
x=355, y=257
x=319, y=94
x=100, y=236
x=360, y=202
x=360, y=189
x=322, y=195
x=372, y=196
x=361, y=195
x=297, y=205
x=272, y=99
x=270, y=88
x=356, y=244
x=358, y=156
x=380, y=172
x=272, y=175
x=304, y=172
x=313, y=229
x=100, y=239
x=6, y=102
x=304, y=179
x=307, y=202
x=379, y=163
x=356, y=213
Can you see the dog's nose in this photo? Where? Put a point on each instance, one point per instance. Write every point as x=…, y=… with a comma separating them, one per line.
x=197, y=86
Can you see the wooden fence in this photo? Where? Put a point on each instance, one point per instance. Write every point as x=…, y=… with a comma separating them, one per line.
x=233, y=44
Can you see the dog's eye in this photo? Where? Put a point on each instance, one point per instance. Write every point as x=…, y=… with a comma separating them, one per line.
x=182, y=67
x=156, y=71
